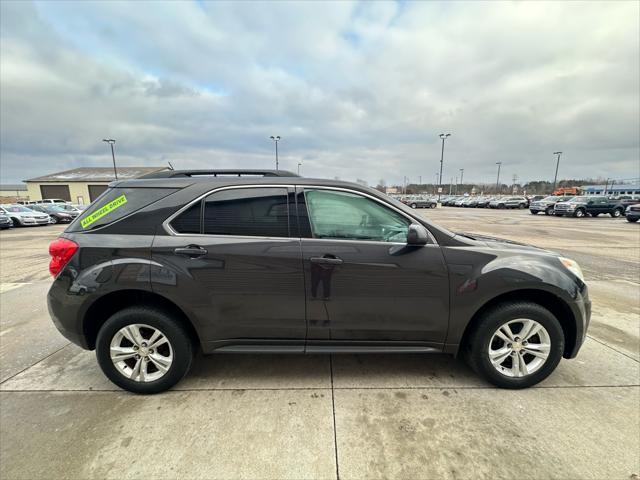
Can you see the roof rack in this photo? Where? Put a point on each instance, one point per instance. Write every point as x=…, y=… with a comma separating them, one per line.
x=219, y=173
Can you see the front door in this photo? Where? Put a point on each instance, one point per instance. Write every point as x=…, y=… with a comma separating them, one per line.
x=363, y=282
x=231, y=261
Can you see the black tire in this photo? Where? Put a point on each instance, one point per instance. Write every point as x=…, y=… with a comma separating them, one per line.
x=183, y=349
x=632, y=220
x=549, y=211
x=617, y=212
x=413, y=205
x=501, y=206
x=491, y=320
x=54, y=220
x=521, y=206
x=434, y=205
x=534, y=212
x=16, y=222
x=579, y=213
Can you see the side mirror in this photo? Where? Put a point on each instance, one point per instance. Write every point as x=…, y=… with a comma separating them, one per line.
x=417, y=235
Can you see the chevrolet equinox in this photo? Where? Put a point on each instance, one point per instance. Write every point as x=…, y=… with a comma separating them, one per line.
x=266, y=261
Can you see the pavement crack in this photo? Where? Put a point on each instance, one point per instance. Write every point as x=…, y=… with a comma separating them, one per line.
x=33, y=365
x=333, y=406
x=614, y=349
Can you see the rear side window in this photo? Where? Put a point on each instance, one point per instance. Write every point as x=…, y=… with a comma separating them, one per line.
x=189, y=220
x=255, y=212
x=114, y=204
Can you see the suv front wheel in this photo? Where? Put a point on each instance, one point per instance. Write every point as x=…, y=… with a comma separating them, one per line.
x=143, y=350
x=516, y=345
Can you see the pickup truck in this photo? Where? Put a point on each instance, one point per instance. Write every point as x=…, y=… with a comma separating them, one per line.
x=546, y=204
x=589, y=205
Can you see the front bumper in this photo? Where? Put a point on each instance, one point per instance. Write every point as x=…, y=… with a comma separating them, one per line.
x=581, y=308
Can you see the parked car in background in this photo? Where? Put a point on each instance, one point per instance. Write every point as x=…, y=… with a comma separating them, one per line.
x=632, y=213
x=593, y=205
x=422, y=202
x=79, y=207
x=5, y=222
x=509, y=202
x=148, y=276
x=483, y=202
x=546, y=204
x=23, y=216
x=535, y=198
x=59, y=213
x=45, y=200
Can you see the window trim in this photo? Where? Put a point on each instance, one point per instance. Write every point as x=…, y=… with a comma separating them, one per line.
x=169, y=229
x=167, y=223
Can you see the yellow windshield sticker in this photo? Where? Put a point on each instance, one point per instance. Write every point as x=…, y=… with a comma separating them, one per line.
x=104, y=210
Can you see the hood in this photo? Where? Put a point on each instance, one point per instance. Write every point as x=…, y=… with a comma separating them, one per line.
x=504, y=244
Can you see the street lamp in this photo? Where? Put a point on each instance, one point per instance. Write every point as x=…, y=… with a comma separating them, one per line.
x=276, y=139
x=443, y=136
x=498, y=179
x=555, y=177
x=299, y=168
x=111, y=141
x=461, y=175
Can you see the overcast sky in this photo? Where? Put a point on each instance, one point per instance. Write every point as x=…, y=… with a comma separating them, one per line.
x=356, y=90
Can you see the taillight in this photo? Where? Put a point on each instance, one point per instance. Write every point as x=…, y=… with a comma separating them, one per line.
x=61, y=251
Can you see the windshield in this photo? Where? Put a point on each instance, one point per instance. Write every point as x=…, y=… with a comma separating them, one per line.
x=579, y=199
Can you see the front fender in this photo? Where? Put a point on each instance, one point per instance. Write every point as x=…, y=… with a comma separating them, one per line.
x=479, y=276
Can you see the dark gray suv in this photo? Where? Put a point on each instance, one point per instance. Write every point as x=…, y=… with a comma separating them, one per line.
x=266, y=261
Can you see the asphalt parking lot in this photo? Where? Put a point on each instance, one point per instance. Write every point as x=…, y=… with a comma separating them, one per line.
x=346, y=416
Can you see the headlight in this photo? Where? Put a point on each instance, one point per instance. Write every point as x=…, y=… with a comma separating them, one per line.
x=572, y=266
x=571, y=206
x=628, y=209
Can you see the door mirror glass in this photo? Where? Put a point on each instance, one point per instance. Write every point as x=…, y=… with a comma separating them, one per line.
x=417, y=235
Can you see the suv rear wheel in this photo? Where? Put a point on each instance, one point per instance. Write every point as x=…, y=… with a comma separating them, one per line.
x=579, y=213
x=616, y=212
x=516, y=345
x=143, y=350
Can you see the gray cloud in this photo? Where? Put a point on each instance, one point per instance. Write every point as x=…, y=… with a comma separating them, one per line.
x=356, y=90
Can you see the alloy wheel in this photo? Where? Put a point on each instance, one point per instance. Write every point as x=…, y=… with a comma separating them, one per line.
x=141, y=353
x=519, y=347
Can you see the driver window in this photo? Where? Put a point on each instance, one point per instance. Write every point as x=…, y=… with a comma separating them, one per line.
x=348, y=216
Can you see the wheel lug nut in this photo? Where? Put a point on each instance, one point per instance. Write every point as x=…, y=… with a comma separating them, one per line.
x=151, y=351
x=144, y=344
x=137, y=356
x=135, y=347
x=509, y=345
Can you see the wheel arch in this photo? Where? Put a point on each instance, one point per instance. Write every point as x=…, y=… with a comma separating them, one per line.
x=100, y=311
x=557, y=306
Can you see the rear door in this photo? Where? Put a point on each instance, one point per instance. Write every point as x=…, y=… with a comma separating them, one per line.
x=363, y=282
x=231, y=260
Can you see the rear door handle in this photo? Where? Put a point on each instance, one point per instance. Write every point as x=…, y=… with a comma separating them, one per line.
x=326, y=260
x=192, y=251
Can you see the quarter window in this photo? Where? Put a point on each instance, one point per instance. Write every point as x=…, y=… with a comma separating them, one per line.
x=257, y=212
x=189, y=220
x=348, y=216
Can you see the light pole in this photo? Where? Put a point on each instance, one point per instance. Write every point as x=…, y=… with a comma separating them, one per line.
x=299, y=168
x=498, y=179
x=461, y=175
x=555, y=177
x=443, y=136
x=276, y=139
x=111, y=141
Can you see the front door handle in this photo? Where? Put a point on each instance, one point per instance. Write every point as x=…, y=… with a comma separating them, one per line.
x=326, y=260
x=192, y=251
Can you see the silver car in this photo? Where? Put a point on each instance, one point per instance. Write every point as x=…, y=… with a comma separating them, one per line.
x=23, y=216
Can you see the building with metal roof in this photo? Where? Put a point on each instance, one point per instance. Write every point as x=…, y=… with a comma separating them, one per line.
x=615, y=189
x=81, y=185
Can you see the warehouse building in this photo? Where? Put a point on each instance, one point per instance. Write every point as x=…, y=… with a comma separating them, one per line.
x=609, y=189
x=81, y=185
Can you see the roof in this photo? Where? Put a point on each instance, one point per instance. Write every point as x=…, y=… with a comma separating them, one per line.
x=221, y=172
x=96, y=174
x=13, y=186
